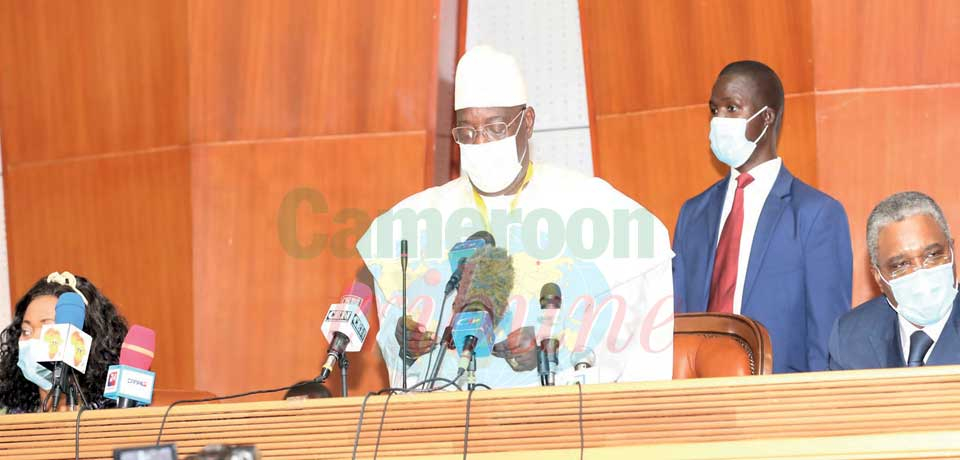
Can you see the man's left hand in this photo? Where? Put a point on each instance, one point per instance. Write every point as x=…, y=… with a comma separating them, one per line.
x=519, y=349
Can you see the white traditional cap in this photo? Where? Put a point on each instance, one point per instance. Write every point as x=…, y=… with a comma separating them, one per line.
x=488, y=78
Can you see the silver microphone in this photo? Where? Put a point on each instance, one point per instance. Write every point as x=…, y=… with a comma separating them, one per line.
x=584, y=359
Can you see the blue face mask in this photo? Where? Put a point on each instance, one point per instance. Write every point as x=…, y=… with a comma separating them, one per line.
x=926, y=295
x=728, y=139
x=32, y=370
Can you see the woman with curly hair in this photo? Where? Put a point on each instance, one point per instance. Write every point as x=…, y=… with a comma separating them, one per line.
x=21, y=380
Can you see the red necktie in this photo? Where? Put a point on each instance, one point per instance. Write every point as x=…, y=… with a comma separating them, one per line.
x=724, y=281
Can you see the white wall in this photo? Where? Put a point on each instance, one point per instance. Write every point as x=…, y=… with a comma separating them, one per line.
x=544, y=36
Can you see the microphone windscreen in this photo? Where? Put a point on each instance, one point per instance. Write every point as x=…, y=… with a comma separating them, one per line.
x=485, y=236
x=491, y=280
x=138, y=347
x=359, y=294
x=70, y=310
x=550, y=296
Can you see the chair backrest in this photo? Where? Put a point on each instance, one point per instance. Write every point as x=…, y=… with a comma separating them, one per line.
x=719, y=345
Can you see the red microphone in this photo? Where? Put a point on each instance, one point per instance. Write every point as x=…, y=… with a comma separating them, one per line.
x=138, y=347
x=131, y=383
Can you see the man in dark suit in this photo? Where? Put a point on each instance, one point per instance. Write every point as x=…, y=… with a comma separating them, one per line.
x=915, y=322
x=760, y=242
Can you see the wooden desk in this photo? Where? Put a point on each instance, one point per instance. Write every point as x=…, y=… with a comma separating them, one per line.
x=880, y=414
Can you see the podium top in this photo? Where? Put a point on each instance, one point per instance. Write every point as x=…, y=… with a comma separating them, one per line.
x=813, y=415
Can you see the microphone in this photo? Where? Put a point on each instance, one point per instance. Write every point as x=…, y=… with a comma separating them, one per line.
x=345, y=327
x=403, y=255
x=584, y=359
x=463, y=251
x=67, y=345
x=131, y=382
x=584, y=369
x=403, y=268
x=481, y=302
x=459, y=255
x=473, y=335
x=547, y=359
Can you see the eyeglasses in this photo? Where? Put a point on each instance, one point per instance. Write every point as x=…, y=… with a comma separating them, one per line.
x=931, y=260
x=493, y=131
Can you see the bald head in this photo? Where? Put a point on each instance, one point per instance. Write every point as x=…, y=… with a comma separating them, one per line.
x=761, y=82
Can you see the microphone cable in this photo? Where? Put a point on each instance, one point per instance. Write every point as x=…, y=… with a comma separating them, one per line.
x=77, y=437
x=163, y=421
x=383, y=416
x=466, y=423
x=392, y=391
x=363, y=409
x=363, y=406
x=580, y=415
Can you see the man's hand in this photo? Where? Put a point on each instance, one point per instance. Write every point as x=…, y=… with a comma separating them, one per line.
x=519, y=349
x=419, y=340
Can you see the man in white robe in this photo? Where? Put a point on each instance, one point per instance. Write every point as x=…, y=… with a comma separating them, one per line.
x=609, y=255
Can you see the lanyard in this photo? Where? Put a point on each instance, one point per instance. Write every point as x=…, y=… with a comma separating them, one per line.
x=482, y=206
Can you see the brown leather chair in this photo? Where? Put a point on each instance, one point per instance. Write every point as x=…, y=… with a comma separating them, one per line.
x=719, y=345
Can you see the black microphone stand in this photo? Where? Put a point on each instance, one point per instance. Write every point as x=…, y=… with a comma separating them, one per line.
x=403, y=266
x=71, y=398
x=547, y=361
x=344, y=364
x=543, y=367
x=443, y=346
x=76, y=392
x=472, y=374
x=61, y=384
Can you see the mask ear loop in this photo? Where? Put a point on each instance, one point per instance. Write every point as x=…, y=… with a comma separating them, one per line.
x=67, y=279
x=880, y=274
x=764, y=126
x=953, y=261
x=526, y=148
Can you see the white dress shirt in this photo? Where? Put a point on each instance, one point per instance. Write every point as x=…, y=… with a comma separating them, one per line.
x=754, y=195
x=907, y=328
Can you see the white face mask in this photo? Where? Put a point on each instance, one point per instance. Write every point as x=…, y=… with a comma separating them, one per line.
x=728, y=139
x=924, y=296
x=31, y=369
x=492, y=166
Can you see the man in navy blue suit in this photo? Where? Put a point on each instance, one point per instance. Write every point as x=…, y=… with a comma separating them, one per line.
x=915, y=322
x=760, y=242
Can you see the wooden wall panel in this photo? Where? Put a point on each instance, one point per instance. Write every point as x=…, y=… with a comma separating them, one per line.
x=663, y=158
x=259, y=308
x=123, y=222
x=96, y=171
x=873, y=80
x=650, y=68
x=87, y=78
x=277, y=69
x=888, y=85
x=872, y=145
x=336, y=97
x=650, y=54
x=877, y=43
x=144, y=114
